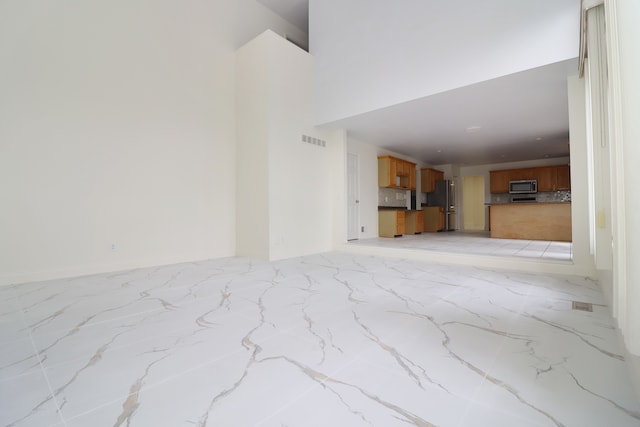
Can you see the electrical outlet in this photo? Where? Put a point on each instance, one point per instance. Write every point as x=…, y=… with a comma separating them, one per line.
x=362, y=229
x=113, y=246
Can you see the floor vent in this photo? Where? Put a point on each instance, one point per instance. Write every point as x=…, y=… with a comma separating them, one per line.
x=582, y=306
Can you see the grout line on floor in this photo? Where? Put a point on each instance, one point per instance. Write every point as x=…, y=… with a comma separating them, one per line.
x=43, y=370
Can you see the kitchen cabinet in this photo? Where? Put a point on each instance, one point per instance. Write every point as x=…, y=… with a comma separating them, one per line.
x=553, y=178
x=387, y=172
x=412, y=177
x=419, y=221
x=396, y=173
x=563, y=177
x=414, y=222
x=428, y=178
x=546, y=177
x=531, y=221
x=521, y=174
x=404, y=171
x=433, y=218
x=499, y=181
x=549, y=178
x=391, y=223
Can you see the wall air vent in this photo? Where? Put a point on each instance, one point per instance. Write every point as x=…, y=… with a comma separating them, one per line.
x=314, y=141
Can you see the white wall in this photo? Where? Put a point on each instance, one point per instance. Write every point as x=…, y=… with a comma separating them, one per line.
x=117, y=133
x=628, y=14
x=300, y=174
x=368, y=178
x=417, y=54
x=252, y=150
x=581, y=254
x=624, y=107
x=286, y=186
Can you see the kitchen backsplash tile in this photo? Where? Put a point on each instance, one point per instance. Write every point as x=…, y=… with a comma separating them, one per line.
x=390, y=197
x=541, y=197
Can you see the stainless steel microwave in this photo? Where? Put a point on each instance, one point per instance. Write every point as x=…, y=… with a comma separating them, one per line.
x=525, y=186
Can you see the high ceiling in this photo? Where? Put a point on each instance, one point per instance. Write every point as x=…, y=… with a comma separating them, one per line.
x=294, y=11
x=520, y=116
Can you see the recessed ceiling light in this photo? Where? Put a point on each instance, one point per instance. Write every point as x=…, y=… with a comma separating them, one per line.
x=439, y=151
x=473, y=129
x=539, y=138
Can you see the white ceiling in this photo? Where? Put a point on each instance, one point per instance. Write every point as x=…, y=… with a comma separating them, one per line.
x=294, y=11
x=512, y=112
x=520, y=116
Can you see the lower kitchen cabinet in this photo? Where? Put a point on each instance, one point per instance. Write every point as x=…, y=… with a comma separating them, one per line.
x=433, y=218
x=391, y=223
x=414, y=222
x=531, y=221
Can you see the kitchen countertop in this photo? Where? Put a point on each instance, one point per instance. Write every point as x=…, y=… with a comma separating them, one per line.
x=392, y=208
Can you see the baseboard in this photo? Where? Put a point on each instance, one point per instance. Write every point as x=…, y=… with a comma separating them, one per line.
x=633, y=365
x=76, y=271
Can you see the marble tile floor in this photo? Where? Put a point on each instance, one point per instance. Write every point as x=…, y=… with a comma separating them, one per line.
x=325, y=340
x=476, y=243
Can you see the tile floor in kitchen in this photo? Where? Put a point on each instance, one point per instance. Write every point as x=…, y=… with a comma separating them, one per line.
x=324, y=340
x=476, y=243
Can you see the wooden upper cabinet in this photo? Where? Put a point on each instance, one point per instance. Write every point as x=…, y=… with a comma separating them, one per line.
x=520, y=174
x=437, y=176
x=396, y=173
x=550, y=178
x=403, y=168
x=553, y=178
x=407, y=174
x=388, y=169
x=563, y=177
x=499, y=181
x=412, y=178
x=546, y=177
x=428, y=178
x=393, y=171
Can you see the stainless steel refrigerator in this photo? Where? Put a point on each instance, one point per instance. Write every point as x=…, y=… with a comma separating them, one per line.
x=445, y=196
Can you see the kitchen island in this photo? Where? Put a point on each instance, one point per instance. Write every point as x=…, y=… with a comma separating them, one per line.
x=531, y=221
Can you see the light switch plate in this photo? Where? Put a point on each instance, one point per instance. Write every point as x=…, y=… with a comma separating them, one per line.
x=601, y=219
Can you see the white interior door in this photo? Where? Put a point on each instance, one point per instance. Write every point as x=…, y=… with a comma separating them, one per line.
x=353, y=196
